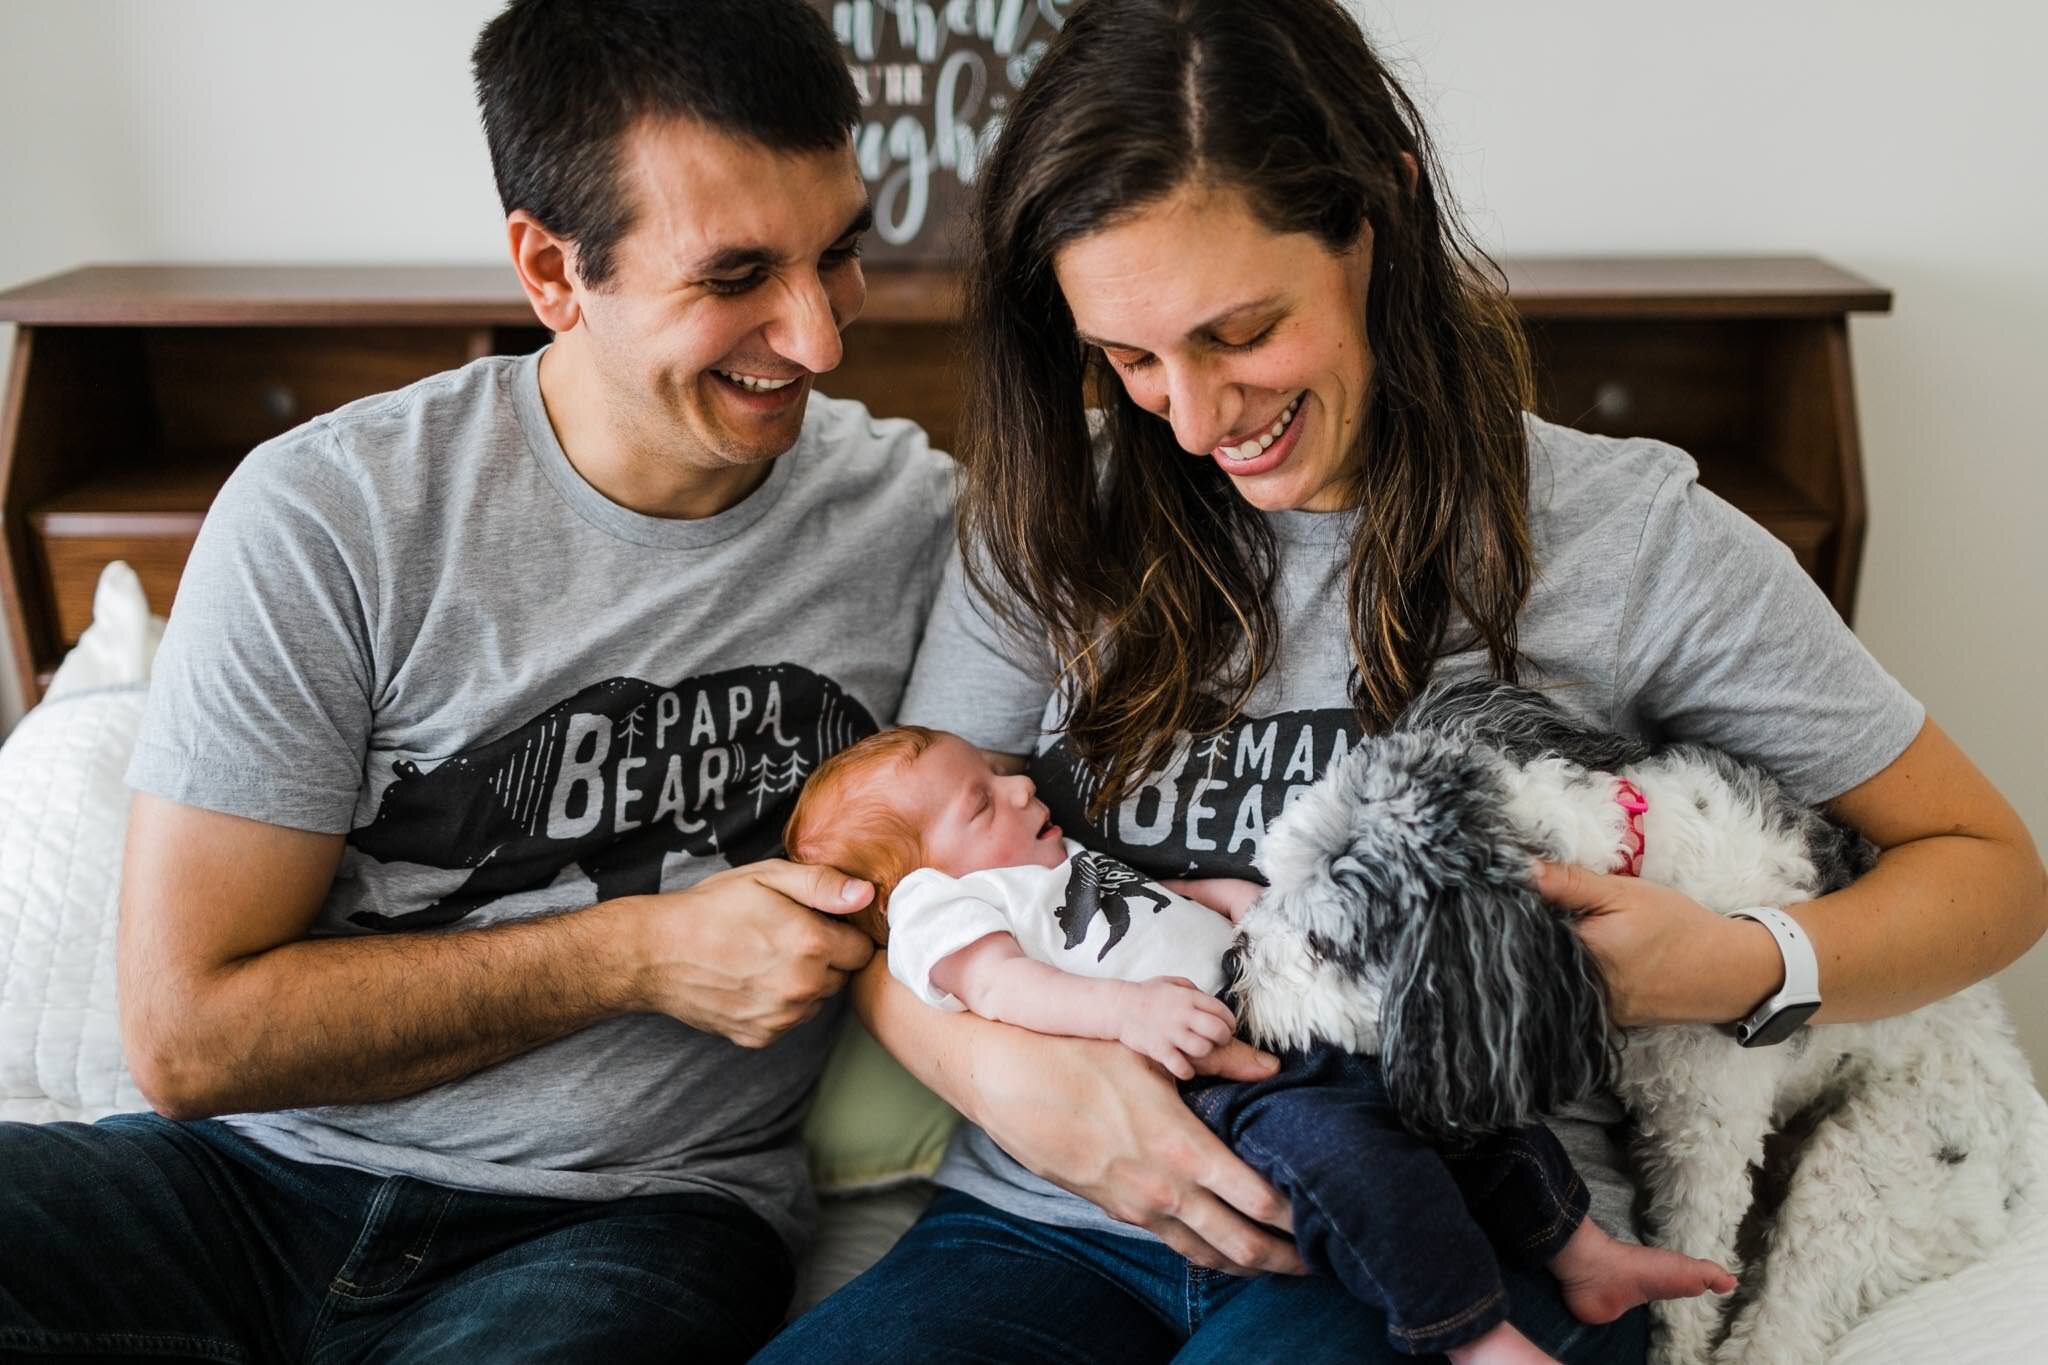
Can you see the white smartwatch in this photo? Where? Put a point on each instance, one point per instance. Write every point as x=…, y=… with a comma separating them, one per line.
x=1779, y=1017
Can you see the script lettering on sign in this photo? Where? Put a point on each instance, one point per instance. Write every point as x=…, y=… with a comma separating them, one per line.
x=934, y=78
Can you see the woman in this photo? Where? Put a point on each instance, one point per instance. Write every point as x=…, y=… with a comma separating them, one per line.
x=1314, y=488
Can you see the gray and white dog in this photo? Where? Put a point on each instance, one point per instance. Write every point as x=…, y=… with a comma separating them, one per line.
x=1401, y=922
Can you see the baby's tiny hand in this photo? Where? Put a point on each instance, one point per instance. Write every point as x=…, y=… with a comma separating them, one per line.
x=1172, y=1021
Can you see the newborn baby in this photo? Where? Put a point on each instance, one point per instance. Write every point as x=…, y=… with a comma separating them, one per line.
x=983, y=904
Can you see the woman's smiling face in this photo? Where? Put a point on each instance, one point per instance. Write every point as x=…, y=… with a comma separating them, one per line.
x=1249, y=343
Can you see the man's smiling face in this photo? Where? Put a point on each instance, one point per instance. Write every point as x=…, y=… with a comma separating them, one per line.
x=728, y=292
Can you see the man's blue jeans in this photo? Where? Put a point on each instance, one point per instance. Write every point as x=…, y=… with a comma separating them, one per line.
x=137, y=1236
x=971, y=1283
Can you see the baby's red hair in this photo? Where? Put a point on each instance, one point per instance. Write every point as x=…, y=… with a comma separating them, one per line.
x=844, y=819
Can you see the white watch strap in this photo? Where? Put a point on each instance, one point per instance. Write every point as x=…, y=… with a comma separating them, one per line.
x=1802, y=969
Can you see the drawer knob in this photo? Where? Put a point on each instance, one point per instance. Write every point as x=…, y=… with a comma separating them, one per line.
x=1612, y=401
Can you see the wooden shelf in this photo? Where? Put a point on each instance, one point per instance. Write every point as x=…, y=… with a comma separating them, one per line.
x=489, y=295
x=272, y=296
x=170, y=491
x=363, y=296
x=134, y=389
x=1673, y=287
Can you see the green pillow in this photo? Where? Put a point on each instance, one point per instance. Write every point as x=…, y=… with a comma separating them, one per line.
x=874, y=1124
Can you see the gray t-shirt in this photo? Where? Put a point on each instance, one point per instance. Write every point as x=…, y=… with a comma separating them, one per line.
x=414, y=623
x=1658, y=610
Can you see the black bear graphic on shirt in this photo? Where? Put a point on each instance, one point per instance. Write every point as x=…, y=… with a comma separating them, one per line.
x=614, y=779
x=1103, y=886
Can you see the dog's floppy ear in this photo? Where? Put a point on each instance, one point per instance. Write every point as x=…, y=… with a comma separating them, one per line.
x=1495, y=1012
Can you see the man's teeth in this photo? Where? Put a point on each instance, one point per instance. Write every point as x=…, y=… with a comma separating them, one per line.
x=754, y=385
x=1263, y=442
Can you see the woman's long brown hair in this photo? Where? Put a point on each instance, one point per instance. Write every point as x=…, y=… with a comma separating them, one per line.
x=1150, y=578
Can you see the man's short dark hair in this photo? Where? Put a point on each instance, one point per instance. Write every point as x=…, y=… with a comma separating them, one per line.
x=561, y=81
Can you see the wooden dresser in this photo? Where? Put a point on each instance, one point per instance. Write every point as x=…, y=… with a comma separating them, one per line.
x=133, y=390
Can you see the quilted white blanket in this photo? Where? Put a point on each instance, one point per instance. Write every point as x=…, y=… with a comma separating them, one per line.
x=62, y=812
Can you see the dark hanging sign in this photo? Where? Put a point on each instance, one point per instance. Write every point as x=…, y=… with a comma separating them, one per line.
x=935, y=77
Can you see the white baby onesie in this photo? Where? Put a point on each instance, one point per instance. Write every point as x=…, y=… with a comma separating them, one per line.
x=1091, y=916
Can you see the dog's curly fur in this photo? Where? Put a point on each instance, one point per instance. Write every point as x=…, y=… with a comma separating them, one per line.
x=1401, y=921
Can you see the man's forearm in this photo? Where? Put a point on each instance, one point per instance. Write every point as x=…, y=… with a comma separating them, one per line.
x=350, y=1020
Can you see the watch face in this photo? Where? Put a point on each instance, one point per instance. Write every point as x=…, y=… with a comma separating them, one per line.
x=1777, y=1028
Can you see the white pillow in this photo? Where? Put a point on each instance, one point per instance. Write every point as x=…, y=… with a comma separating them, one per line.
x=120, y=645
x=63, y=814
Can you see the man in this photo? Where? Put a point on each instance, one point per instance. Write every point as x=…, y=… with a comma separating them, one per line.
x=477, y=1018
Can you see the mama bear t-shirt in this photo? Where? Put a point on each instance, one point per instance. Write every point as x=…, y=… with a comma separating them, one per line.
x=1658, y=610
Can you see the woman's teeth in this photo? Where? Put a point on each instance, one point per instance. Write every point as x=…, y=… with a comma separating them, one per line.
x=1262, y=442
x=753, y=384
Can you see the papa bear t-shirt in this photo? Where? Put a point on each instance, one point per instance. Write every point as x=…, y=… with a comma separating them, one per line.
x=412, y=622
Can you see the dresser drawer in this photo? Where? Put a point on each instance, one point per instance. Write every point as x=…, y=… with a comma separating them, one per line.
x=148, y=517
x=72, y=564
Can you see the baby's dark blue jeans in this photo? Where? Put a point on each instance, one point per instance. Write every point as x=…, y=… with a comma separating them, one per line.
x=1406, y=1226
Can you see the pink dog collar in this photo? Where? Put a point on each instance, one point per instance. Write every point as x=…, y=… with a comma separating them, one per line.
x=1629, y=797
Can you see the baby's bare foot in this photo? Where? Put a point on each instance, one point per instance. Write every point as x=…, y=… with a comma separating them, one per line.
x=1501, y=1346
x=1602, y=1278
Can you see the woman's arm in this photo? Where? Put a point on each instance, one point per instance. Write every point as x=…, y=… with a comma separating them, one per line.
x=1958, y=893
x=1094, y=1118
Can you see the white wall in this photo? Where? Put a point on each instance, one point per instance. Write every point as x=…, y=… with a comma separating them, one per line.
x=1904, y=141
x=237, y=130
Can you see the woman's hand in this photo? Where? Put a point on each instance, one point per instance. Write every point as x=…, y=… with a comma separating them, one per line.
x=1667, y=959
x=1099, y=1120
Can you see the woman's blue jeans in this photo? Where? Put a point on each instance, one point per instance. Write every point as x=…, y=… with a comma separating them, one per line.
x=971, y=1283
x=137, y=1236
x=1409, y=1227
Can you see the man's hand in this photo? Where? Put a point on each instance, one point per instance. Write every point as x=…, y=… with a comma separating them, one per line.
x=1100, y=1120
x=752, y=952
x=1170, y=1020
